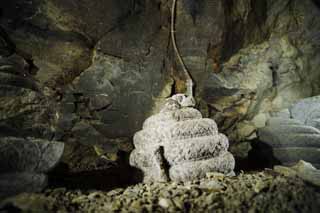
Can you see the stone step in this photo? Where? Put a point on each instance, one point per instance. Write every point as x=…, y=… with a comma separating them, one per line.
x=282, y=121
x=176, y=131
x=182, y=151
x=172, y=116
x=294, y=154
x=286, y=136
x=289, y=129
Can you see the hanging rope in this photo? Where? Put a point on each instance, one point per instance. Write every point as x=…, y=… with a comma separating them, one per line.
x=189, y=82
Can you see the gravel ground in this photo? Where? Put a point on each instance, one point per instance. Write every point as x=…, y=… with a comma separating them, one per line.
x=265, y=191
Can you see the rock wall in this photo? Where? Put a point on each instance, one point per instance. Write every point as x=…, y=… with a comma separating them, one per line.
x=108, y=65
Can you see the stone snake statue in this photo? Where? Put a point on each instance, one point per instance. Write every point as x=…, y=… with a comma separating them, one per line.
x=178, y=144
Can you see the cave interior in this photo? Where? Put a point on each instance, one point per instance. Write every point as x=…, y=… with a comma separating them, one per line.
x=97, y=114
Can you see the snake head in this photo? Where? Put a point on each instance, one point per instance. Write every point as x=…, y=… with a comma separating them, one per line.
x=184, y=100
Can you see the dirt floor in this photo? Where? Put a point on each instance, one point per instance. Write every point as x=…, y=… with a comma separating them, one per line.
x=265, y=191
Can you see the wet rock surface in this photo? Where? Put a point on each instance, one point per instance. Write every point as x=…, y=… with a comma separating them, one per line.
x=262, y=191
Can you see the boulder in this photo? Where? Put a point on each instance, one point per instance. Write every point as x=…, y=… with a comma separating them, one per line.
x=15, y=183
x=302, y=169
x=24, y=162
x=30, y=155
x=286, y=141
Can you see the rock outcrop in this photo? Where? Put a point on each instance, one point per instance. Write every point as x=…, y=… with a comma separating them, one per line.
x=24, y=162
x=27, y=150
x=267, y=75
x=307, y=111
x=302, y=169
x=295, y=138
x=291, y=141
x=179, y=145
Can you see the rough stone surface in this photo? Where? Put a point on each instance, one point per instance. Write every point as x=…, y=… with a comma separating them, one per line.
x=290, y=135
x=177, y=144
x=26, y=129
x=292, y=155
x=24, y=162
x=16, y=183
x=296, y=138
x=307, y=111
x=267, y=84
x=266, y=191
x=266, y=76
x=304, y=170
x=29, y=155
x=88, y=73
x=288, y=141
x=184, y=150
x=248, y=59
